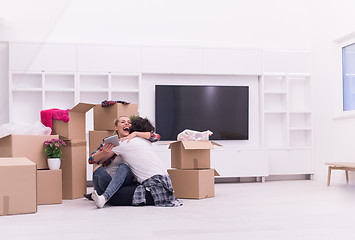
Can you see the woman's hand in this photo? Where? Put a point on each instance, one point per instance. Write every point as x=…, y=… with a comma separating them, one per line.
x=129, y=137
x=107, y=148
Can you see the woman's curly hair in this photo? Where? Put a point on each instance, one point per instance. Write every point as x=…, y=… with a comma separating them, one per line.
x=141, y=125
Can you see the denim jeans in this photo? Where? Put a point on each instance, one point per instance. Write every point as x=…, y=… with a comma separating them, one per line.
x=107, y=186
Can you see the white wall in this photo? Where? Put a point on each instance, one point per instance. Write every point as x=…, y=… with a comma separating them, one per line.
x=333, y=138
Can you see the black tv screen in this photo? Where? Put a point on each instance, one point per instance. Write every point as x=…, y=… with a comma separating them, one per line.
x=222, y=109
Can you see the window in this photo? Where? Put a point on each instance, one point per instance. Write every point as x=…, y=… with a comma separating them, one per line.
x=348, y=72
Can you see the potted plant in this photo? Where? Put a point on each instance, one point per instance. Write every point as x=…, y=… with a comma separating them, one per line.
x=53, y=149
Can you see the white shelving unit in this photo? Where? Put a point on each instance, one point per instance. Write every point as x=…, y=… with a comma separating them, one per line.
x=287, y=121
x=47, y=90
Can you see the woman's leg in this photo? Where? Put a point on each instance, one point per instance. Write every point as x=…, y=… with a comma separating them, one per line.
x=122, y=176
x=101, y=179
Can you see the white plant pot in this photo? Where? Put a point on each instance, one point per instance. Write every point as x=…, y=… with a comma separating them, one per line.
x=53, y=163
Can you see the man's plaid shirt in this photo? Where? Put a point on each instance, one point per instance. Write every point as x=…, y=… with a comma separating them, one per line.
x=161, y=189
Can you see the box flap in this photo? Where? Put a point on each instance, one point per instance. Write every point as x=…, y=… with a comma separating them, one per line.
x=189, y=145
x=216, y=144
x=216, y=173
x=82, y=107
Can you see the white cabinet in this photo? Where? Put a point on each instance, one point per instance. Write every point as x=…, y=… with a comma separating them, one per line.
x=295, y=161
x=42, y=57
x=172, y=60
x=240, y=163
x=124, y=59
x=232, y=61
x=286, y=61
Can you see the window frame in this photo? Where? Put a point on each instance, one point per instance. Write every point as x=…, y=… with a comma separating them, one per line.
x=338, y=75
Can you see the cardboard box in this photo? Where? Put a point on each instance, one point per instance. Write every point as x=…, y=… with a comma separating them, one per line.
x=190, y=154
x=73, y=167
x=17, y=186
x=29, y=146
x=104, y=117
x=49, y=187
x=75, y=128
x=195, y=184
x=96, y=137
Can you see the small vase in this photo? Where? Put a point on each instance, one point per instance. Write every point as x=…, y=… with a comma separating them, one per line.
x=53, y=163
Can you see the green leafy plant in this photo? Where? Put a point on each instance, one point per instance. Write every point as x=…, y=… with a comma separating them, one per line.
x=53, y=148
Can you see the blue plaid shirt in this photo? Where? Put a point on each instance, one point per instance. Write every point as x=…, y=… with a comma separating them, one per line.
x=161, y=189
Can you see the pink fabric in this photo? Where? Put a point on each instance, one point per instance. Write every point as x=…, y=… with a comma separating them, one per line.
x=54, y=113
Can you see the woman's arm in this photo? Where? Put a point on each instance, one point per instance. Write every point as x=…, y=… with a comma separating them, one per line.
x=151, y=136
x=102, y=153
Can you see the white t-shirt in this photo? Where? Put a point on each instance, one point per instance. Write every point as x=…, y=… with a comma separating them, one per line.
x=112, y=167
x=140, y=156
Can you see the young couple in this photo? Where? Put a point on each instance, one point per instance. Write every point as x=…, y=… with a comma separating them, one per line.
x=134, y=159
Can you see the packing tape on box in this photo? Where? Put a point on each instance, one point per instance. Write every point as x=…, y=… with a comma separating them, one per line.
x=6, y=205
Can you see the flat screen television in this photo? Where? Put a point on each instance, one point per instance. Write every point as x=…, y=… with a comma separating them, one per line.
x=222, y=109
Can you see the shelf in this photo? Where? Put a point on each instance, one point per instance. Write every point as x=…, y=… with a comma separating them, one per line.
x=59, y=99
x=93, y=81
x=93, y=97
x=300, y=129
x=60, y=90
x=275, y=84
x=275, y=112
x=125, y=96
x=274, y=93
x=62, y=81
x=26, y=106
x=26, y=80
x=94, y=90
x=126, y=91
x=124, y=82
x=27, y=89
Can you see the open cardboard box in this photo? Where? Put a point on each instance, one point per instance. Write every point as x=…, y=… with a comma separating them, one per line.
x=75, y=128
x=18, y=192
x=104, y=117
x=29, y=146
x=191, y=154
x=195, y=184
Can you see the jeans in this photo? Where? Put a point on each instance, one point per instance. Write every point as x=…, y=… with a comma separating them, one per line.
x=107, y=186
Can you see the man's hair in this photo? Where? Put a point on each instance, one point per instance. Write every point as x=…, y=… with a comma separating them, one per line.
x=141, y=125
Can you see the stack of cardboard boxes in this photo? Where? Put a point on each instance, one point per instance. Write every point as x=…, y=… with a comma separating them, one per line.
x=73, y=163
x=192, y=176
x=26, y=180
x=24, y=175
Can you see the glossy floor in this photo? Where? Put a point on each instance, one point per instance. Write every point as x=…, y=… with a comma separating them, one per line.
x=299, y=209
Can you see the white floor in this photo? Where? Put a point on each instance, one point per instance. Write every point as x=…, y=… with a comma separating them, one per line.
x=299, y=209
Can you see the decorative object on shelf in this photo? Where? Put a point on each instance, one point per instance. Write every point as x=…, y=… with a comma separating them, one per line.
x=53, y=149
